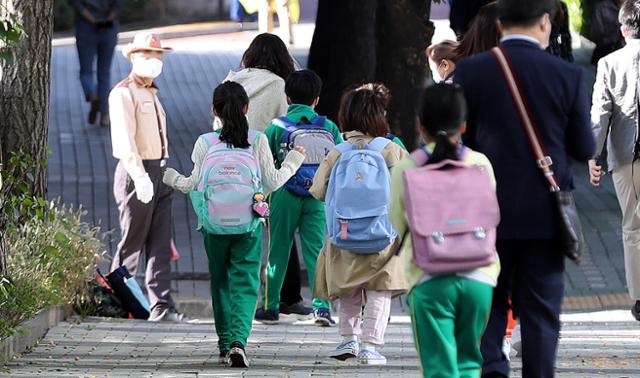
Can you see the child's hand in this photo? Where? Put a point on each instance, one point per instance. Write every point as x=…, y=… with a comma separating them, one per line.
x=170, y=176
x=299, y=149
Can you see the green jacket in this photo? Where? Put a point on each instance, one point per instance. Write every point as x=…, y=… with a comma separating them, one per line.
x=295, y=113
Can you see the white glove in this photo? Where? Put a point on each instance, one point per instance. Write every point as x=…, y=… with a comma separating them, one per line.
x=144, y=188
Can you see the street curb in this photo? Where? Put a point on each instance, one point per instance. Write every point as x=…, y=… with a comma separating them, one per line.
x=29, y=332
x=169, y=32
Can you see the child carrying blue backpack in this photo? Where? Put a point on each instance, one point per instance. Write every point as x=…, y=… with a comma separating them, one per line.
x=232, y=173
x=292, y=206
x=358, y=264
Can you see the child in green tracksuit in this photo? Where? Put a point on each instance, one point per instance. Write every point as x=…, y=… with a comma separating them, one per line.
x=292, y=207
x=449, y=312
x=230, y=212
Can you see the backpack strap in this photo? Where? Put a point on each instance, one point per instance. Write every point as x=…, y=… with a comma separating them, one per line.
x=253, y=136
x=420, y=156
x=378, y=144
x=211, y=138
x=318, y=121
x=344, y=147
x=283, y=122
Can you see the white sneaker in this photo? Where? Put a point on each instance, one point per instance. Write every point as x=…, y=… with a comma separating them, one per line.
x=371, y=357
x=346, y=350
x=506, y=348
x=516, y=340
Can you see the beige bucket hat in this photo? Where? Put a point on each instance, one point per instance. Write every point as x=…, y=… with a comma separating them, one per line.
x=145, y=41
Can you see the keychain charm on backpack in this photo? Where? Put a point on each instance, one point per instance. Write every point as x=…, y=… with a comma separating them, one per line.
x=261, y=207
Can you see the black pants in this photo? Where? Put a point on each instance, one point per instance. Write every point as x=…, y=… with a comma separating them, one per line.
x=145, y=228
x=290, y=292
x=532, y=276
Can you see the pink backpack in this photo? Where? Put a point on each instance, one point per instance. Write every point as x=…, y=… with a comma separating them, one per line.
x=453, y=212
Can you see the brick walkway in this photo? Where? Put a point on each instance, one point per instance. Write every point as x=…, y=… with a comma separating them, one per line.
x=81, y=167
x=121, y=348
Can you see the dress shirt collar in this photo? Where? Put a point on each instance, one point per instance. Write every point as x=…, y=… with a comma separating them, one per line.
x=521, y=37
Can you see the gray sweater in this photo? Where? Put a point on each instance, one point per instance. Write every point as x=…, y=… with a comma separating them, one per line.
x=614, y=110
x=267, y=99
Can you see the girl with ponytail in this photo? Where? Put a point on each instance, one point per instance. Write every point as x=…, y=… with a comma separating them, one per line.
x=450, y=311
x=347, y=275
x=234, y=257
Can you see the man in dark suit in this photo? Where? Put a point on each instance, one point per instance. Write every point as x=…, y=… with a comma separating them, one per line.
x=532, y=263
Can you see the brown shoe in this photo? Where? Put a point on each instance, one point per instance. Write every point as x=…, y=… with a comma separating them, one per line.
x=105, y=120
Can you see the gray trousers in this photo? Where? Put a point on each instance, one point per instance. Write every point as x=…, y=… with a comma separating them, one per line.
x=146, y=227
x=627, y=184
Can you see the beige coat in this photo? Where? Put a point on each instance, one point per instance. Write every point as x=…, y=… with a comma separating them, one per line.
x=339, y=271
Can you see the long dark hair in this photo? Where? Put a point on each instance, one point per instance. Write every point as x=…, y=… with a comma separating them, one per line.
x=229, y=101
x=443, y=110
x=483, y=33
x=363, y=109
x=267, y=51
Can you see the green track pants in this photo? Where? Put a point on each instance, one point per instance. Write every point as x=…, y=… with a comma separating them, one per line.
x=234, y=265
x=288, y=213
x=449, y=315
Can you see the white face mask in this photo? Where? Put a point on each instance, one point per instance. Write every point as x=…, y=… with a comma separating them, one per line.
x=147, y=67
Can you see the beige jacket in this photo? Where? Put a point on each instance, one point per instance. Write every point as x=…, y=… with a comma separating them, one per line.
x=339, y=272
x=138, y=122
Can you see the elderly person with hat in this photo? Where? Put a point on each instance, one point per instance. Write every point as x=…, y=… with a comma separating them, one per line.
x=139, y=141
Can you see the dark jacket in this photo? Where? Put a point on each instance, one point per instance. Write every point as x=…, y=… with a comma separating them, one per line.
x=463, y=12
x=557, y=96
x=605, y=29
x=100, y=9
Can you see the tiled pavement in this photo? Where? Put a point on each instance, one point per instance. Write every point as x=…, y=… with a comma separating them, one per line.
x=81, y=167
x=121, y=348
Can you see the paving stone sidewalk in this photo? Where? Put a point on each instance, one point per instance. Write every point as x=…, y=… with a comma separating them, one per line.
x=123, y=348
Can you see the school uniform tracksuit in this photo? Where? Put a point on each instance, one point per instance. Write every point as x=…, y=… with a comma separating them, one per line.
x=290, y=212
x=449, y=313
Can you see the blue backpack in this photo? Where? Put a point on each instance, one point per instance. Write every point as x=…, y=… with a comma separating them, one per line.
x=316, y=140
x=357, y=199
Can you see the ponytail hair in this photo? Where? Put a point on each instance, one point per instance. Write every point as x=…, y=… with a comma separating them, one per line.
x=444, y=109
x=229, y=102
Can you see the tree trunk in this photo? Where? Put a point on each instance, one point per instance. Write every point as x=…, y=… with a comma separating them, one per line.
x=24, y=98
x=373, y=41
x=24, y=88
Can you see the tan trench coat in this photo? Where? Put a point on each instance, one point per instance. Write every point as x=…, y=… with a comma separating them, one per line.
x=339, y=271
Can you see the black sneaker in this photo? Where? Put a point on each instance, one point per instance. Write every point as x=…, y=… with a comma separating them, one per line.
x=223, y=357
x=237, y=356
x=323, y=317
x=269, y=317
x=297, y=310
x=635, y=311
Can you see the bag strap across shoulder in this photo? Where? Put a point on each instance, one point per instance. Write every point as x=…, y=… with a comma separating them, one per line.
x=543, y=160
x=378, y=144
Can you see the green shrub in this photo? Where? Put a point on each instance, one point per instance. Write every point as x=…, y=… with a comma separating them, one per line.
x=51, y=262
x=52, y=252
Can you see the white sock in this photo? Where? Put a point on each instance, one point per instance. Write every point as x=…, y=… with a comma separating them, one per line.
x=346, y=339
x=369, y=346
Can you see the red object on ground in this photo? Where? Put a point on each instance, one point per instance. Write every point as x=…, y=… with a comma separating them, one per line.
x=511, y=323
x=175, y=255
